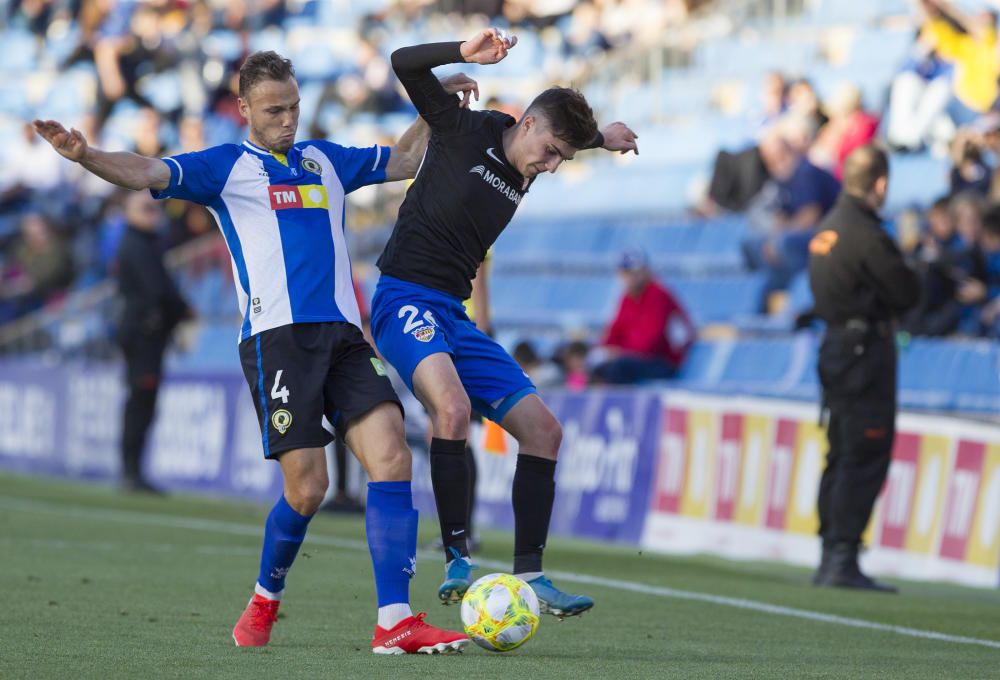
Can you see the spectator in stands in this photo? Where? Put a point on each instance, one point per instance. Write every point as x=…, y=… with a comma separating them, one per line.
x=970, y=171
x=849, y=127
x=803, y=100
x=989, y=316
x=129, y=46
x=152, y=308
x=651, y=332
x=574, y=360
x=918, y=99
x=773, y=102
x=860, y=282
x=934, y=260
x=941, y=236
x=146, y=134
x=970, y=44
x=737, y=178
x=974, y=150
x=543, y=373
x=40, y=266
x=786, y=213
x=969, y=262
x=584, y=38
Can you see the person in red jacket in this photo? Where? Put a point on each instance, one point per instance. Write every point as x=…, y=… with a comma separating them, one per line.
x=651, y=332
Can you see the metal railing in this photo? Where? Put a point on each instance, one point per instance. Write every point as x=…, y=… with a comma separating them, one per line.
x=82, y=324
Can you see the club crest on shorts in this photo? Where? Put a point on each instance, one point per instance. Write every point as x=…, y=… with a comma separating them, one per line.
x=309, y=165
x=424, y=333
x=378, y=366
x=282, y=420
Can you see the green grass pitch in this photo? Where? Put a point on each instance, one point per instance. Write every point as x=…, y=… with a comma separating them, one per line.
x=103, y=585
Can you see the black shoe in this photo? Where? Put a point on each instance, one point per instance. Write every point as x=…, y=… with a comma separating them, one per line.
x=140, y=485
x=822, y=572
x=843, y=571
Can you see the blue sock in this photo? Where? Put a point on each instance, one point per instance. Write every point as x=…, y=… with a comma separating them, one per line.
x=283, y=534
x=391, y=524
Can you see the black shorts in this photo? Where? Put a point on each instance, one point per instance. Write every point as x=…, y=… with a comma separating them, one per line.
x=301, y=372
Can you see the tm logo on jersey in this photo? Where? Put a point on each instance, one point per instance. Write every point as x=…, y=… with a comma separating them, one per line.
x=497, y=183
x=285, y=196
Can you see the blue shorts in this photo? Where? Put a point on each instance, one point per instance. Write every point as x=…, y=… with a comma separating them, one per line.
x=410, y=322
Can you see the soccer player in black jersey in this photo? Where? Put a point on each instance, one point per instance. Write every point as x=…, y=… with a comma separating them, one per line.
x=476, y=171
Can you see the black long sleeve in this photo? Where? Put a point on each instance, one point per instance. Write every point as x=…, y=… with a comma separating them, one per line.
x=153, y=303
x=896, y=285
x=413, y=68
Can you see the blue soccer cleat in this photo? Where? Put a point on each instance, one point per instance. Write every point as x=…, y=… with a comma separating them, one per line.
x=553, y=601
x=457, y=578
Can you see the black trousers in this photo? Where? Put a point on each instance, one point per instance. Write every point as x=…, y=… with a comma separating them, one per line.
x=860, y=437
x=858, y=373
x=143, y=367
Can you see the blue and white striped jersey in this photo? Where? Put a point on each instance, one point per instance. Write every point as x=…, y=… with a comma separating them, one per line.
x=283, y=220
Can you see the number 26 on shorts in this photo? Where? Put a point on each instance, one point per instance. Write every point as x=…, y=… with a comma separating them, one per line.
x=413, y=320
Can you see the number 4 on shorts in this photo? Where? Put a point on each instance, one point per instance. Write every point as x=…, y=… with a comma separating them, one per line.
x=279, y=392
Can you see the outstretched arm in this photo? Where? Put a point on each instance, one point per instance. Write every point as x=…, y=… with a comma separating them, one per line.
x=408, y=152
x=123, y=168
x=413, y=67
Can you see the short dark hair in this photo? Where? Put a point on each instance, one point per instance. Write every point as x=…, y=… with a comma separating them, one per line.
x=524, y=354
x=942, y=203
x=568, y=114
x=261, y=66
x=863, y=167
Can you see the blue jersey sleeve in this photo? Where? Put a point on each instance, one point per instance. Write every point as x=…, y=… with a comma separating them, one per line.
x=198, y=176
x=356, y=167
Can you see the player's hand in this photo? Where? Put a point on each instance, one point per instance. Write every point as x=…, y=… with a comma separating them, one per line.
x=461, y=83
x=488, y=46
x=70, y=144
x=619, y=137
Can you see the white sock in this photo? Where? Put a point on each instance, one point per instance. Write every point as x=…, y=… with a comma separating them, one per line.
x=263, y=592
x=392, y=614
x=529, y=575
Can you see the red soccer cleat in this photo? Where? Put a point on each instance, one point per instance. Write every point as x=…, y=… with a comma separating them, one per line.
x=413, y=636
x=254, y=627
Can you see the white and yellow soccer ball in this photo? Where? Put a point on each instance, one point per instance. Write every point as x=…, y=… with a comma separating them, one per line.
x=500, y=612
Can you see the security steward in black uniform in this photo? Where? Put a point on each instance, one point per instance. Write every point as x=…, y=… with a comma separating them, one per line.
x=151, y=309
x=860, y=283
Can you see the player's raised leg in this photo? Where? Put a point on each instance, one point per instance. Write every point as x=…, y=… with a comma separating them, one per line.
x=437, y=385
x=377, y=439
x=305, y=484
x=539, y=435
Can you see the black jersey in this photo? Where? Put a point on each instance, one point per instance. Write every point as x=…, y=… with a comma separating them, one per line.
x=465, y=192
x=856, y=271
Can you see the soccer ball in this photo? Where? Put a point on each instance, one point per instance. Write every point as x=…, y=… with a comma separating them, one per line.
x=500, y=612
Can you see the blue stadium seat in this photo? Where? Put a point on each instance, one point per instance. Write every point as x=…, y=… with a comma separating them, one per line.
x=715, y=299
x=916, y=179
x=19, y=50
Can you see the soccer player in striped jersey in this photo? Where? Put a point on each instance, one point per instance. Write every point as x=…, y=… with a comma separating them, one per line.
x=280, y=207
x=479, y=166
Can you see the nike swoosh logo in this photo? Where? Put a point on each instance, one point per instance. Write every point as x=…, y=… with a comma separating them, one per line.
x=456, y=533
x=489, y=152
